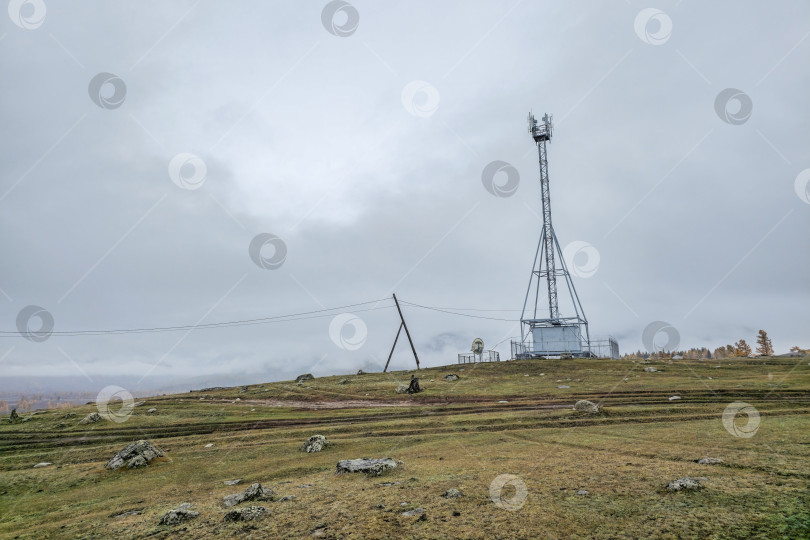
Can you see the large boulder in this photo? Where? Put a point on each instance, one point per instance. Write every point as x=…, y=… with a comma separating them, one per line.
x=304, y=377
x=583, y=405
x=247, y=513
x=685, y=484
x=91, y=418
x=178, y=515
x=134, y=455
x=371, y=467
x=316, y=443
x=256, y=492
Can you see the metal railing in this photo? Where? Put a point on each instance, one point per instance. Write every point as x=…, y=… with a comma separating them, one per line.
x=484, y=356
x=606, y=347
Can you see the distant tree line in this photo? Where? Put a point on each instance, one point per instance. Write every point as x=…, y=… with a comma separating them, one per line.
x=740, y=349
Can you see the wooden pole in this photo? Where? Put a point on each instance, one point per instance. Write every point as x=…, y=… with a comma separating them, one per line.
x=407, y=333
x=392, y=348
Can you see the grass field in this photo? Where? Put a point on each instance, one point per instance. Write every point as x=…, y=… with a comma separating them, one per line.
x=503, y=418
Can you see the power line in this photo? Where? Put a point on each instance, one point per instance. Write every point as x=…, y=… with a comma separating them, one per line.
x=247, y=322
x=306, y=315
x=458, y=314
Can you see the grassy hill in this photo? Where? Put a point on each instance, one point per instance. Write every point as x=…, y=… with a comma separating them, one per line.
x=502, y=418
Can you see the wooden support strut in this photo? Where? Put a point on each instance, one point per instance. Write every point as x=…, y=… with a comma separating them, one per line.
x=407, y=333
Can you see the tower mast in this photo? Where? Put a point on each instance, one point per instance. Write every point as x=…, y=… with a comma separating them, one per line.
x=556, y=334
x=541, y=134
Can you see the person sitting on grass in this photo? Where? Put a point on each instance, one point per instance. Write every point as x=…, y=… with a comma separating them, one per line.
x=414, y=387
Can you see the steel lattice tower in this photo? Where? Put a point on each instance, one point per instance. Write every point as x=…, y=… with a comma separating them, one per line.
x=545, y=267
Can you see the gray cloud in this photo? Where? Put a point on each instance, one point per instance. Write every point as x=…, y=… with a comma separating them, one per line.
x=304, y=135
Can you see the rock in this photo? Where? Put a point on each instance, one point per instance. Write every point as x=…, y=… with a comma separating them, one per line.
x=414, y=512
x=256, y=492
x=651, y=369
x=247, y=513
x=232, y=482
x=451, y=494
x=91, y=418
x=402, y=389
x=287, y=498
x=451, y=377
x=561, y=386
x=134, y=455
x=151, y=411
x=584, y=405
x=685, y=484
x=361, y=372
x=371, y=467
x=582, y=492
x=503, y=401
x=127, y=513
x=674, y=398
x=138, y=404
x=209, y=445
x=344, y=381
x=304, y=377
x=709, y=461
x=316, y=443
x=137, y=461
x=42, y=464
x=178, y=515
x=69, y=415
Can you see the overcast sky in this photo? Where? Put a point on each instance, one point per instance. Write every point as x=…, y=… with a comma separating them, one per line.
x=356, y=135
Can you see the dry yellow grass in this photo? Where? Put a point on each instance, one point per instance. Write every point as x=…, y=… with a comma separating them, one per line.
x=454, y=435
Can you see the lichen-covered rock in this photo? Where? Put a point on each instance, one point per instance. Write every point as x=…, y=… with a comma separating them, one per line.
x=451, y=494
x=247, y=513
x=91, y=418
x=256, y=492
x=178, y=515
x=304, y=377
x=316, y=443
x=583, y=405
x=651, y=369
x=685, y=484
x=709, y=461
x=402, y=389
x=151, y=411
x=450, y=377
x=134, y=455
x=371, y=467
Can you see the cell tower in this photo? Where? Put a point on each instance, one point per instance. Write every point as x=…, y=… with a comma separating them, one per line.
x=553, y=335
